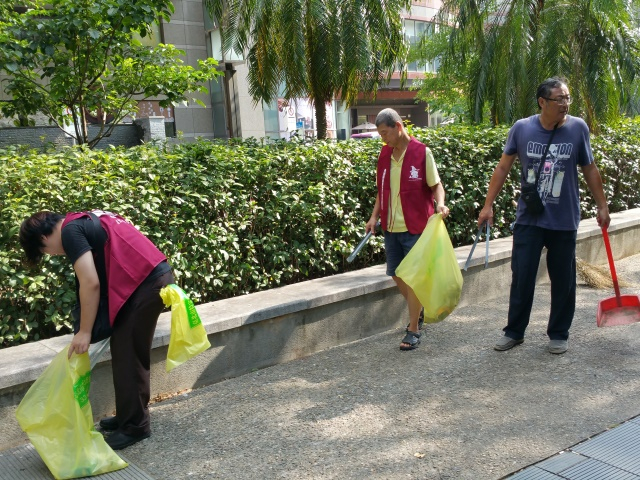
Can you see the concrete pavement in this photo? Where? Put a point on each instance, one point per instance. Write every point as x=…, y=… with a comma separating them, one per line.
x=453, y=409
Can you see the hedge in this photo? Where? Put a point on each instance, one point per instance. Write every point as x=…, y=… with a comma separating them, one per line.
x=242, y=216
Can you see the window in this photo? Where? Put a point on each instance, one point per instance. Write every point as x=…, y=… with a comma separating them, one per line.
x=413, y=31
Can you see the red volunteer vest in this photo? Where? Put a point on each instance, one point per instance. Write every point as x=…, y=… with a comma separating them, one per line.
x=129, y=257
x=415, y=195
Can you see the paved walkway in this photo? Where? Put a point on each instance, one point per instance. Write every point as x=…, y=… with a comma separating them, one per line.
x=453, y=409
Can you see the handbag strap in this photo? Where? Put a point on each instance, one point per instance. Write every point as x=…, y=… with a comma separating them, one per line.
x=544, y=157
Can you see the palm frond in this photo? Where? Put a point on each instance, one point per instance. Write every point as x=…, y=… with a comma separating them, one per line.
x=513, y=45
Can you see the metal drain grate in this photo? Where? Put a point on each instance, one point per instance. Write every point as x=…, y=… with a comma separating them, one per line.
x=558, y=463
x=619, y=447
x=23, y=463
x=534, y=473
x=595, y=470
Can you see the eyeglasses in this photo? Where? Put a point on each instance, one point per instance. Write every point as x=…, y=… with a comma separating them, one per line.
x=561, y=100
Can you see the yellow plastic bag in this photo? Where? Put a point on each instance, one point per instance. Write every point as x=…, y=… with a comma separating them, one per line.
x=56, y=415
x=431, y=270
x=188, y=336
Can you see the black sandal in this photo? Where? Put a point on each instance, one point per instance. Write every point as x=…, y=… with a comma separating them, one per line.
x=420, y=322
x=410, y=341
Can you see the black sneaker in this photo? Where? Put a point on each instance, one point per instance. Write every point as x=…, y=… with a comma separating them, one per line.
x=109, y=424
x=119, y=440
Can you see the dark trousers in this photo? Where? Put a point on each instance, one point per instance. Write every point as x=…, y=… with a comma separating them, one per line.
x=561, y=264
x=131, y=354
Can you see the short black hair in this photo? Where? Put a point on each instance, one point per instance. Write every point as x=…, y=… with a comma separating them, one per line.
x=31, y=231
x=544, y=89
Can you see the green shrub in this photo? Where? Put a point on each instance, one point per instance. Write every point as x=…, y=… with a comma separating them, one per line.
x=239, y=216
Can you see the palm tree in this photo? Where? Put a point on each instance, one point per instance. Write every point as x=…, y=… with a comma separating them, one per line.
x=318, y=49
x=512, y=45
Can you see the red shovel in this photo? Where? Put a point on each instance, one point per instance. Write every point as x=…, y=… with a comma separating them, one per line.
x=621, y=309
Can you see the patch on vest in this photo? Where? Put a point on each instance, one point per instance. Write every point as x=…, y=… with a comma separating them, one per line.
x=414, y=174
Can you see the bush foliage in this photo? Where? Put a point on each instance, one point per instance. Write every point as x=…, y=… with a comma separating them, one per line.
x=239, y=216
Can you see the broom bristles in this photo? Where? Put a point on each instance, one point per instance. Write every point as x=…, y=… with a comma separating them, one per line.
x=597, y=276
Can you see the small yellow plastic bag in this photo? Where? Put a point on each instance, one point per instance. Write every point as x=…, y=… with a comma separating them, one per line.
x=188, y=336
x=431, y=269
x=56, y=415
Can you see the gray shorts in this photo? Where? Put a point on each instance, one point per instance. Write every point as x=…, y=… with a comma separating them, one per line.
x=396, y=246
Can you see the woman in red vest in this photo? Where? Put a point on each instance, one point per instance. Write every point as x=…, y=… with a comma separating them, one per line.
x=408, y=183
x=118, y=269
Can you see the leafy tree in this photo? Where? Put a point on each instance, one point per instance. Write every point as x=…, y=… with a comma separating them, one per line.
x=508, y=47
x=446, y=94
x=71, y=58
x=318, y=49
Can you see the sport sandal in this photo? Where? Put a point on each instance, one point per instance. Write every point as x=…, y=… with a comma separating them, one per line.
x=410, y=341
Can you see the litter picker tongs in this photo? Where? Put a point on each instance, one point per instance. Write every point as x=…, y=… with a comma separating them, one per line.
x=96, y=351
x=487, y=228
x=362, y=243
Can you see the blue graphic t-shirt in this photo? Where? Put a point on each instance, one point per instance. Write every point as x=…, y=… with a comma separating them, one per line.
x=558, y=183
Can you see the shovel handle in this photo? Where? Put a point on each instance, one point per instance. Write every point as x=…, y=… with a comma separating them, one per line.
x=612, y=266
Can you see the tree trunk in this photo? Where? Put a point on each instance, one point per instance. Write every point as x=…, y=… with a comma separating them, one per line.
x=321, y=118
x=85, y=128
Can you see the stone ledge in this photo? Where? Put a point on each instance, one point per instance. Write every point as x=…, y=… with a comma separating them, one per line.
x=24, y=363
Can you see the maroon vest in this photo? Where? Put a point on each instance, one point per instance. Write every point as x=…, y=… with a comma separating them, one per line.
x=129, y=257
x=415, y=195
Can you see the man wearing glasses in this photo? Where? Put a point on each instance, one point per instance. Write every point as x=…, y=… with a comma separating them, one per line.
x=550, y=147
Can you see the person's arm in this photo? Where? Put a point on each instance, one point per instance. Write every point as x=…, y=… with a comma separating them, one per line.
x=594, y=182
x=498, y=178
x=89, y=300
x=371, y=224
x=438, y=195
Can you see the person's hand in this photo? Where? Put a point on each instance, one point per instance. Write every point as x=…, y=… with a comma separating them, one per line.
x=371, y=226
x=603, y=217
x=80, y=343
x=444, y=210
x=486, y=215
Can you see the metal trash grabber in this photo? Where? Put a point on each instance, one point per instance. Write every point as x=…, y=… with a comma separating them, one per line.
x=96, y=351
x=486, y=255
x=362, y=243
x=621, y=309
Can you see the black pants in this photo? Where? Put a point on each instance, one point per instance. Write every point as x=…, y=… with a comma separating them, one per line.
x=131, y=354
x=561, y=264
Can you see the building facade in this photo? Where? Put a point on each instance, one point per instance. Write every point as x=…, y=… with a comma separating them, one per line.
x=229, y=110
